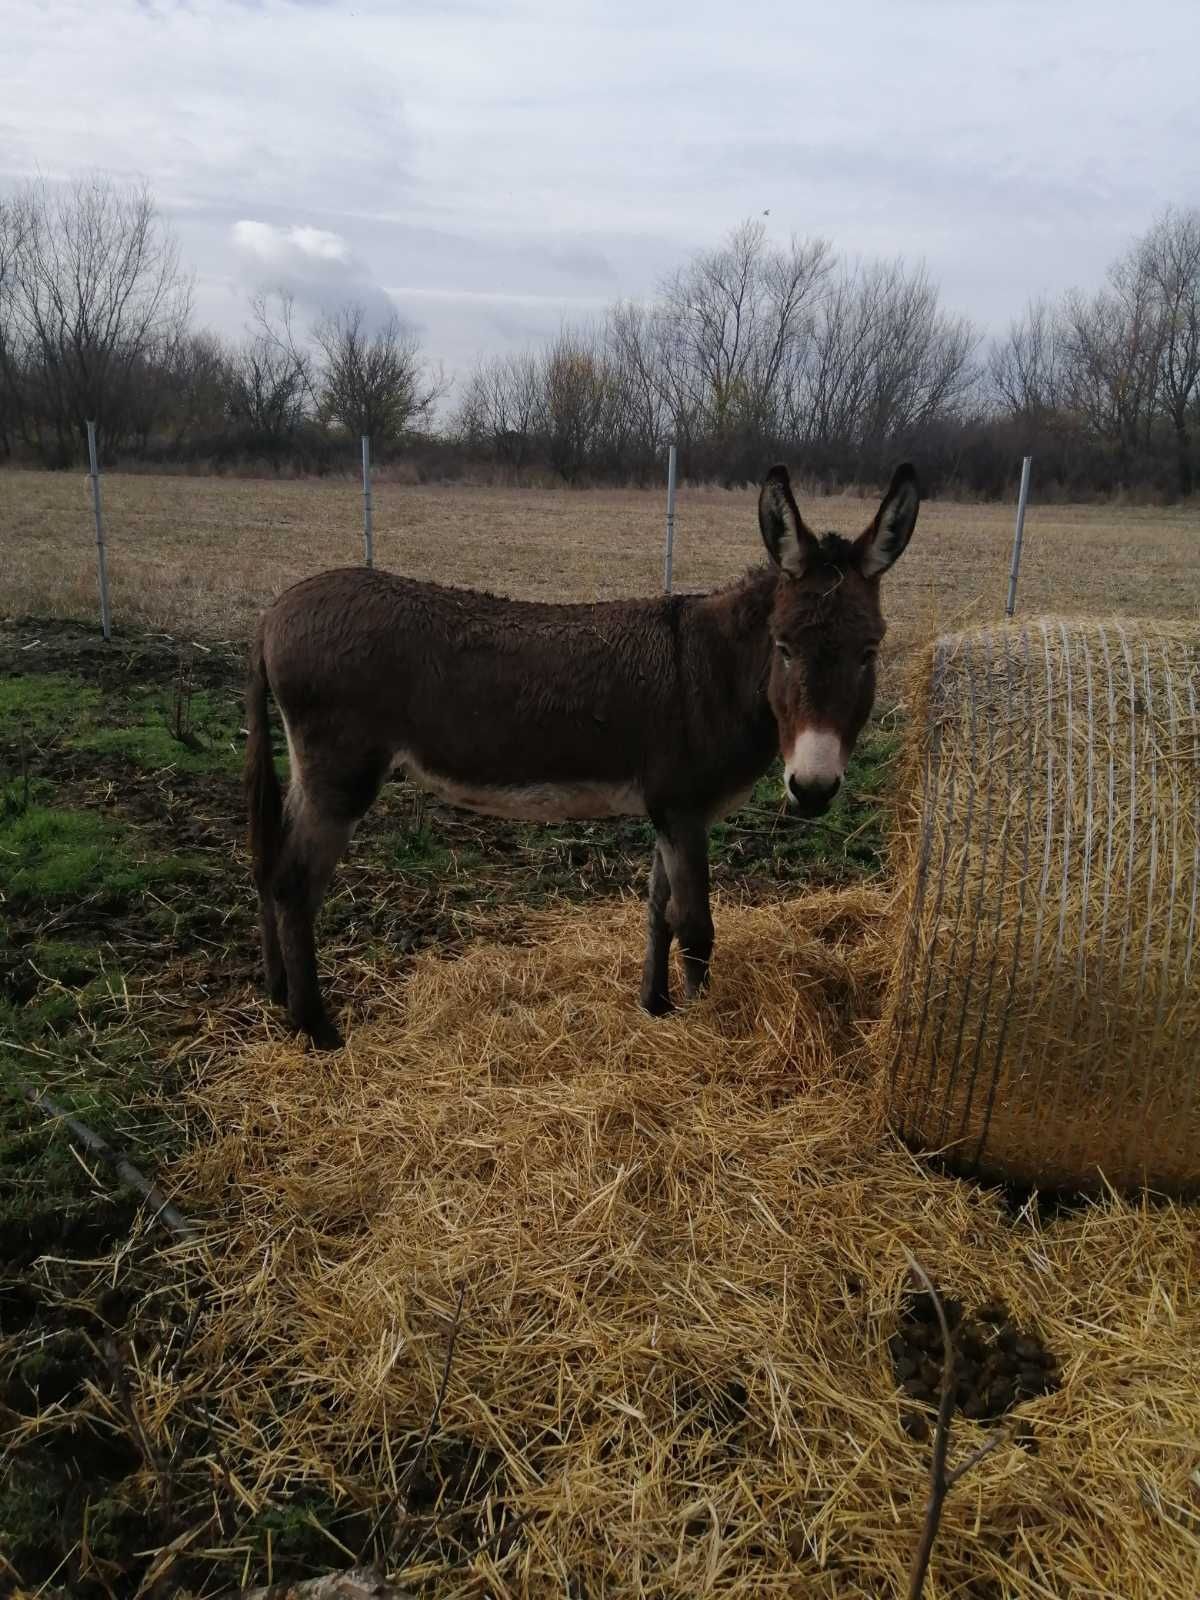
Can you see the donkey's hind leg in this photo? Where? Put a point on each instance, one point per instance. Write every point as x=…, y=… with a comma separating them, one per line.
x=268, y=927
x=321, y=811
x=313, y=845
x=656, y=988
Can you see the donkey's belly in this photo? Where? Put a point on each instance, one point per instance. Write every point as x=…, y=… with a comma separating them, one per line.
x=529, y=802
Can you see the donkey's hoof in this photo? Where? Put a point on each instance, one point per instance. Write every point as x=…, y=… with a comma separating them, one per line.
x=658, y=1005
x=323, y=1034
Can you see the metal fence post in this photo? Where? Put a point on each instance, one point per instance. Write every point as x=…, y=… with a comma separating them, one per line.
x=368, y=531
x=94, y=474
x=670, y=551
x=1018, y=536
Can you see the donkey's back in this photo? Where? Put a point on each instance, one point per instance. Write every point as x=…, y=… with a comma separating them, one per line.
x=508, y=707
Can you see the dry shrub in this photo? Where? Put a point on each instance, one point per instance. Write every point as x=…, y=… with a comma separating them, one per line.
x=680, y=1248
x=1044, y=1023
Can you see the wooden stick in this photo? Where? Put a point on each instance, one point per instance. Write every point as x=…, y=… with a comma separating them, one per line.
x=941, y=1481
x=1001, y=1436
x=401, y=1500
x=441, y=1395
x=938, y=1482
x=164, y=1211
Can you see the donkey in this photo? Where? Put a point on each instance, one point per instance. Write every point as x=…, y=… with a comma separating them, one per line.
x=670, y=708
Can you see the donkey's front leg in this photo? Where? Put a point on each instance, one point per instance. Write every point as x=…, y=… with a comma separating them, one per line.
x=685, y=852
x=656, y=984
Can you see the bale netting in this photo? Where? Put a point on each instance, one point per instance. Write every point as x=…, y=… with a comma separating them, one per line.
x=1043, y=1022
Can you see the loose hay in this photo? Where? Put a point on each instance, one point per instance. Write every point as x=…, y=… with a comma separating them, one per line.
x=682, y=1249
x=1044, y=1019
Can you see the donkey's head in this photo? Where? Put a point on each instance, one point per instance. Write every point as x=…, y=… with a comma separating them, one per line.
x=826, y=627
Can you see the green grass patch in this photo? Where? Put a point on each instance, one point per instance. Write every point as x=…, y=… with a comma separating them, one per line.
x=63, y=961
x=45, y=1009
x=296, y=1533
x=45, y=703
x=158, y=731
x=152, y=746
x=50, y=854
x=417, y=850
x=18, y=794
x=150, y=727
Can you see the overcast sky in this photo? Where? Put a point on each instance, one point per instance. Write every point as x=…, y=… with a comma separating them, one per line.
x=496, y=168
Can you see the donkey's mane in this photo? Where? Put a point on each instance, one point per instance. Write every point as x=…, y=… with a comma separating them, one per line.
x=835, y=549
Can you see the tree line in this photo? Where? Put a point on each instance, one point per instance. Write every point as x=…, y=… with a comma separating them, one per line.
x=747, y=353
x=96, y=323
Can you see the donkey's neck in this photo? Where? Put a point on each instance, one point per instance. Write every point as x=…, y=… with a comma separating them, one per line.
x=724, y=658
x=739, y=618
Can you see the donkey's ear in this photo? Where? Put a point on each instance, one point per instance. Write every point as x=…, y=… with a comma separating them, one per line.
x=884, y=541
x=789, y=543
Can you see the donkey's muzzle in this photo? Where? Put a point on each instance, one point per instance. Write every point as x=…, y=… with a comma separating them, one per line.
x=811, y=799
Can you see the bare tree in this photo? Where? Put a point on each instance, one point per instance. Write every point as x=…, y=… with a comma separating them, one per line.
x=273, y=321
x=499, y=407
x=1025, y=376
x=1169, y=259
x=883, y=358
x=734, y=318
x=96, y=290
x=576, y=401
x=635, y=338
x=267, y=395
x=1113, y=352
x=374, y=383
x=13, y=227
x=193, y=389
x=921, y=365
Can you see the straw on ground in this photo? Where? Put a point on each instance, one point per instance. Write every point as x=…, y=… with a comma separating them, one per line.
x=683, y=1245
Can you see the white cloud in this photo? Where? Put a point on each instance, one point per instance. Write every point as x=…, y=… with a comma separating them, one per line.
x=315, y=266
x=289, y=247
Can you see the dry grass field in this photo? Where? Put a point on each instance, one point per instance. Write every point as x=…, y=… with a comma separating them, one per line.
x=198, y=556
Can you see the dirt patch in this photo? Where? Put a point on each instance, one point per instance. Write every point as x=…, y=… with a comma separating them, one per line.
x=130, y=657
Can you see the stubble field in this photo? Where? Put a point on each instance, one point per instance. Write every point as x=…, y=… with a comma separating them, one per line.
x=199, y=556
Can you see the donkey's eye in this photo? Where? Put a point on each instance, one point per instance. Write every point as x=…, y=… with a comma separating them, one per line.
x=784, y=652
x=869, y=657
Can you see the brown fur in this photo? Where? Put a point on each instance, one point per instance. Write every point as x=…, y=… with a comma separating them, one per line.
x=674, y=705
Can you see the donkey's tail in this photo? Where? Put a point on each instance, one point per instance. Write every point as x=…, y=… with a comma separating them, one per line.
x=264, y=802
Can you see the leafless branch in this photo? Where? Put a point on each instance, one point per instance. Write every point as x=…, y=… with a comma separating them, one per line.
x=938, y=1484
x=941, y=1481
x=401, y=1500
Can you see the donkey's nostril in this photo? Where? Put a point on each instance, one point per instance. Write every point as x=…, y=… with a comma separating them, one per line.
x=811, y=799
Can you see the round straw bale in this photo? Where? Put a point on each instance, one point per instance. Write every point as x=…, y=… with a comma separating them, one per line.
x=1043, y=1020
